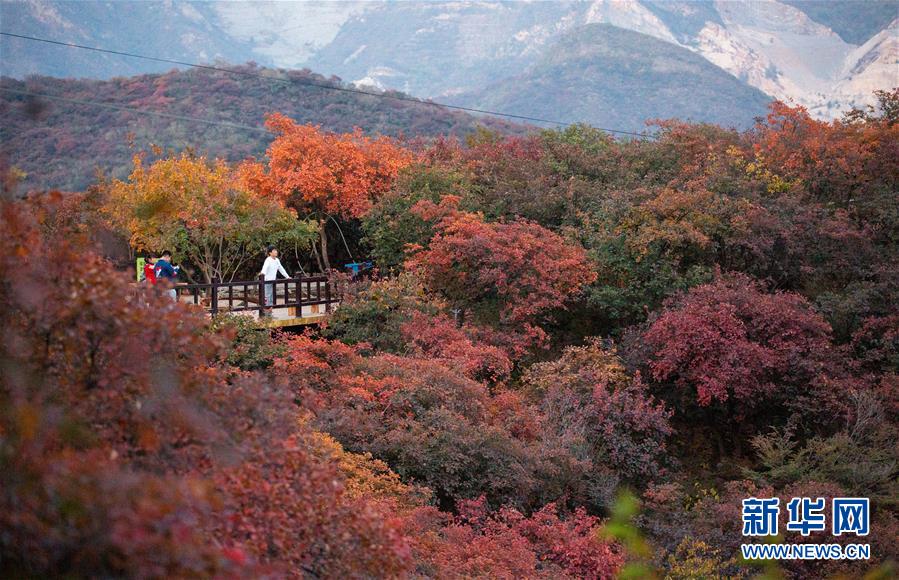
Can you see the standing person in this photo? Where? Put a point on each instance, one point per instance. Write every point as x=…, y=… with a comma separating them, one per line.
x=150, y=271
x=270, y=269
x=163, y=270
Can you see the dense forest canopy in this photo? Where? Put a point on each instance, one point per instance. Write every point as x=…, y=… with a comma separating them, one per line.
x=557, y=317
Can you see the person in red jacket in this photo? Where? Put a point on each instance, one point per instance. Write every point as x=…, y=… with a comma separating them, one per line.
x=149, y=270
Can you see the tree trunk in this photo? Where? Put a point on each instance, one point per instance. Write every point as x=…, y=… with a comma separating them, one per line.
x=322, y=223
x=318, y=256
x=719, y=444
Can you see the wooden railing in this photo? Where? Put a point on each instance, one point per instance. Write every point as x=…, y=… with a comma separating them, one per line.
x=219, y=297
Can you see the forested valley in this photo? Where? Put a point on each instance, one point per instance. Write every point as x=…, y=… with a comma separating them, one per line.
x=573, y=358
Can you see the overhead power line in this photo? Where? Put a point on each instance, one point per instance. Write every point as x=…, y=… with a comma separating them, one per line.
x=300, y=82
x=138, y=111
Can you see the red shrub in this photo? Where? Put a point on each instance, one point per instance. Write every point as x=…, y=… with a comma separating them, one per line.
x=439, y=338
x=507, y=544
x=732, y=339
x=126, y=454
x=518, y=270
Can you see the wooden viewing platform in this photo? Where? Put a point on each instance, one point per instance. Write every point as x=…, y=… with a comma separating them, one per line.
x=298, y=301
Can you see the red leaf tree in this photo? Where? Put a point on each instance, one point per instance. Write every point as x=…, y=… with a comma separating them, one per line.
x=512, y=274
x=589, y=399
x=508, y=544
x=730, y=339
x=747, y=357
x=432, y=425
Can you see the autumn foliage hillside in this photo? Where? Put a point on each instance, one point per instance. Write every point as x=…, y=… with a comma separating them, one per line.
x=575, y=357
x=70, y=141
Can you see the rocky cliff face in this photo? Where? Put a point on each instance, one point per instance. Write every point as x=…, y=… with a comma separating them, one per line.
x=770, y=45
x=780, y=50
x=870, y=67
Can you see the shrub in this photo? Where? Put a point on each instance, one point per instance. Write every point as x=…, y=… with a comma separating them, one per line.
x=253, y=346
x=375, y=314
x=512, y=275
x=588, y=397
x=507, y=544
x=730, y=339
x=697, y=560
x=861, y=458
x=431, y=424
x=126, y=451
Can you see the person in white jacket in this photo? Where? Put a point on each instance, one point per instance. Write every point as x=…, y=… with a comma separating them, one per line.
x=270, y=270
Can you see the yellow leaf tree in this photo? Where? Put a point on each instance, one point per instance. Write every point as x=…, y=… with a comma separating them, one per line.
x=200, y=211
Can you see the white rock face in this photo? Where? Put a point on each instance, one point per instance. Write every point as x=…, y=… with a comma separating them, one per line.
x=629, y=14
x=729, y=52
x=872, y=66
x=287, y=33
x=777, y=49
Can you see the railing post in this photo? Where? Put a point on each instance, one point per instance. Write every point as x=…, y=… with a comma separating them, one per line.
x=261, y=295
x=327, y=296
x=214, y=296
x=299, y=297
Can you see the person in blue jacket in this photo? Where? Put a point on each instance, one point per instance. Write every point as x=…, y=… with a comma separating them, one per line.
x=165, y=271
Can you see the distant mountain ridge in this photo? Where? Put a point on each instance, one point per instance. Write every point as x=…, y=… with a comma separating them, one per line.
x=660, y=81
x=828, y=56
x=770, y=45
x=175, y=30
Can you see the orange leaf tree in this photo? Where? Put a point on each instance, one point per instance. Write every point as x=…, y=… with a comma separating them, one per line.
x=201, y=212
x=849, y=162
x=325, y=175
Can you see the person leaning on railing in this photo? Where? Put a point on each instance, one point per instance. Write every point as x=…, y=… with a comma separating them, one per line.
x=270, y=269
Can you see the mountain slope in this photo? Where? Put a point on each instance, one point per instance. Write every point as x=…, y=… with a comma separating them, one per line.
x=776, y=48
x=447, y=48
x=592, y=71
x=60, y=144
x=874, y=64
